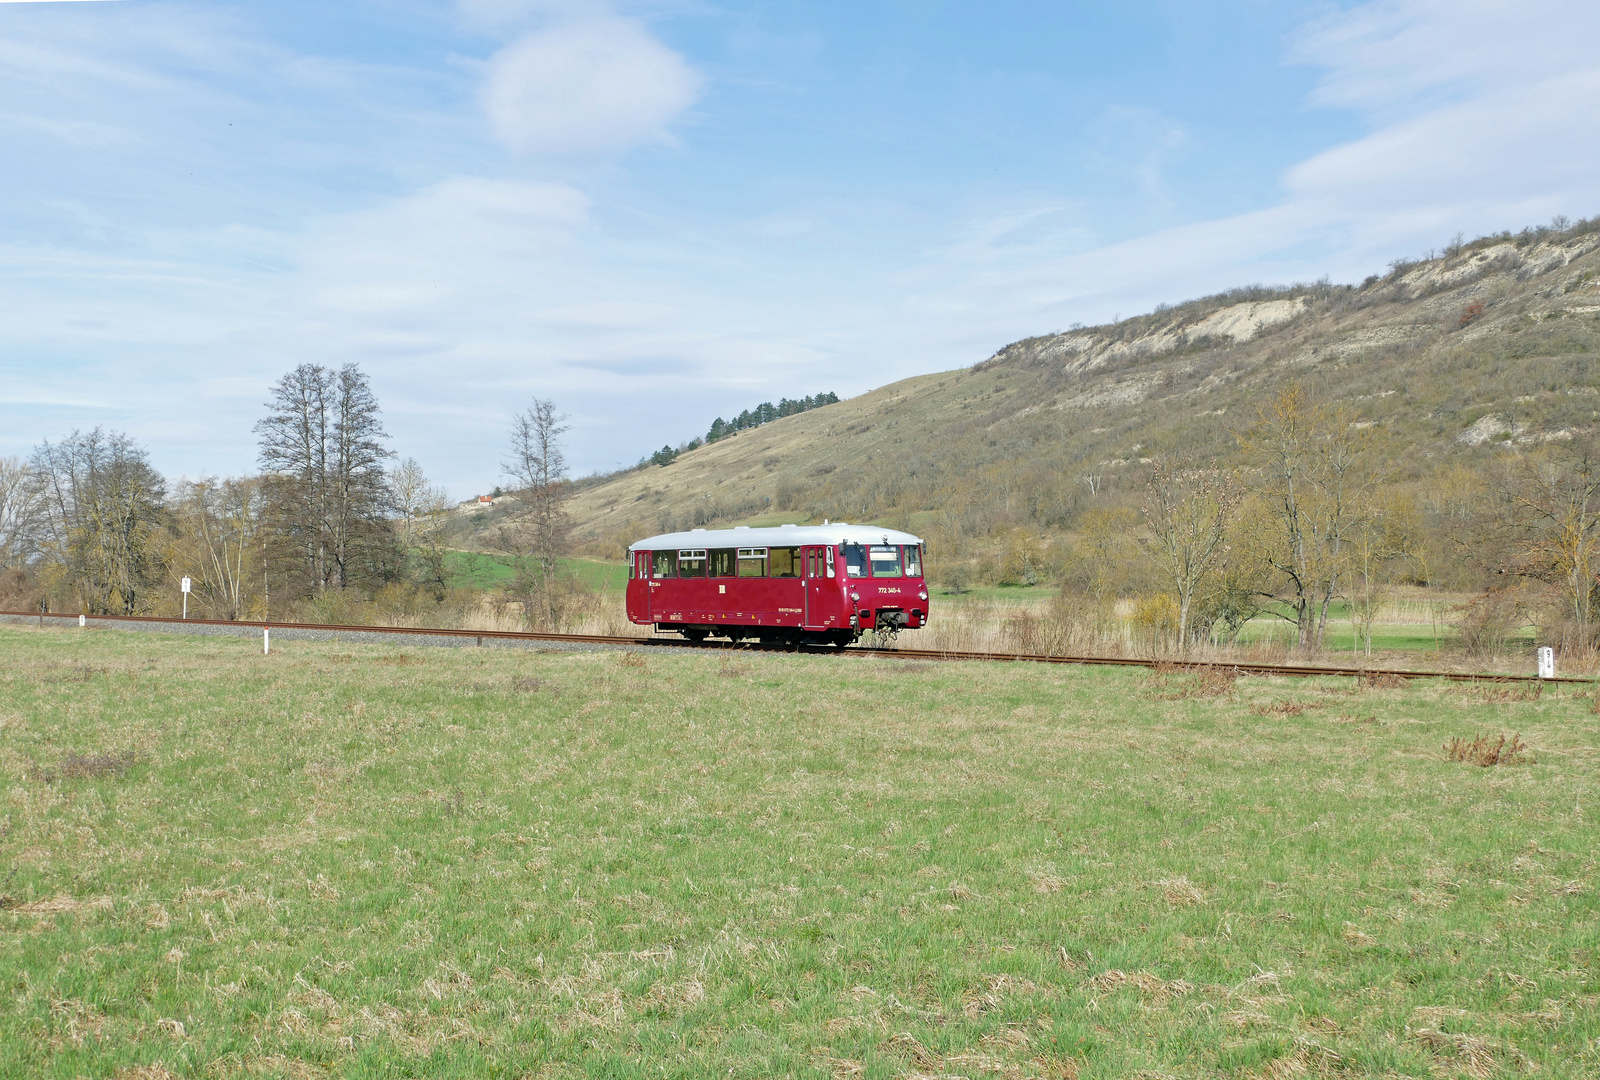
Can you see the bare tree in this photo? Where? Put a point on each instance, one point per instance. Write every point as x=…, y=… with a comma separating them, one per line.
x=99, y=507
x=424, y=517
x=537, y=467
x=19, y=509
x=1186, y=521
x=217, y=541
x=322, y=448
x=1548, y=523
x=1314, y=484
x=411, y=489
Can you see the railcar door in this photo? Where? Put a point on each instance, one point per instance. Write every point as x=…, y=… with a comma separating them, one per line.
x=820, y=602
x=641, y=574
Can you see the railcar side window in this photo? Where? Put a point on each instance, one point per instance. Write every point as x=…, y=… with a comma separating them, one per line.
x=722, y=562
x=692, y=563
x=664, y=564
x=752, y=562
x=783, y=562
x=642, y=565
x=830, y=562
x=885, y=560
x=913, y=560
x=855, y=560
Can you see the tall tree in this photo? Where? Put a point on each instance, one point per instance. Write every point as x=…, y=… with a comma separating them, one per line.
x=1186, y=520
x=1314, y=482
x=321, y=445
x=99, y=508
x=537, y=467
x=19, y=507
x=1547, y=528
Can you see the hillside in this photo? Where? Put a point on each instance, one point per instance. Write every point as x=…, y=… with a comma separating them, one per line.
x=1455, y=359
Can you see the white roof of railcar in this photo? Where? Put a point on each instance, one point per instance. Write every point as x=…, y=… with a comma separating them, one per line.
x=779, y=536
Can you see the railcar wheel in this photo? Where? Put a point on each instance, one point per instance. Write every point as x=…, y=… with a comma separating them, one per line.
x=694, y=634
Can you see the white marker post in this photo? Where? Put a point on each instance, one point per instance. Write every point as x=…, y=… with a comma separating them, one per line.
x=266, y=641
x=185, y=587
x=83, y=621
x=1547, y=662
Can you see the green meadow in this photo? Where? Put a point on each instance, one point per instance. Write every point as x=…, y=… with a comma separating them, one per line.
x=373, y=861
x=484, y=571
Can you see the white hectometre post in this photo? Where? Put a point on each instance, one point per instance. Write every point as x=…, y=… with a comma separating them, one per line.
x=266, y=640
x=1547, y=662
x=185, y=587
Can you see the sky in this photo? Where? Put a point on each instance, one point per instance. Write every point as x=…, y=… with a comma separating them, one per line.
x=661, y=212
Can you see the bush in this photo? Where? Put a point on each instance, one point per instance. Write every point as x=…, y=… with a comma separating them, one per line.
x=1486, y=622
x=1155, y=618
x=19, y=592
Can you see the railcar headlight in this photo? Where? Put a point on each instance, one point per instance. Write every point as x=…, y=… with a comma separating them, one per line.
x=923, y=594
x=855, y=596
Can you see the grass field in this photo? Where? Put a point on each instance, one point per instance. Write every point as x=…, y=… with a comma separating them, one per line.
x=484, y=571
x=368, y=861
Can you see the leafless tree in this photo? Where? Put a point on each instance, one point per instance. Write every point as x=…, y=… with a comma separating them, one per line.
x=1186, y=519
x=1548, y=527
x=19, y=507
x=321, y=445
x=1313, y=483
x=99, y=507
x=217, y=541
x=537, y=467
x=424, y=516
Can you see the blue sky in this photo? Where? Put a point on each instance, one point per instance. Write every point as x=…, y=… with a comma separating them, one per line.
x=657, y=213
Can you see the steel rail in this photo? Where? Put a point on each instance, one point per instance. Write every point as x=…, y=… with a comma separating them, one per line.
x=1302, y=670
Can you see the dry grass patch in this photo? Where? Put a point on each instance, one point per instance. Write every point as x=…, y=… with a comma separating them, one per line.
x=1476, y=1057
x=90, y=766
x=1180, y=892
x=1144, y=981
x=1498, y=692
x=1488, y=750
x=1278, y=708
x=1179, y=682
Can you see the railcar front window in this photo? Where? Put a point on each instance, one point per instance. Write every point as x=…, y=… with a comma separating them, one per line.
x=783, y=562
x=913, y=560
x=664, y=564
x=885, y=560
x=692, y=563
x=722, y=562
x=752, y=562
x=855, y=560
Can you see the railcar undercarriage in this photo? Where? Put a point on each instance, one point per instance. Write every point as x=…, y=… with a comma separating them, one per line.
x=766, y=635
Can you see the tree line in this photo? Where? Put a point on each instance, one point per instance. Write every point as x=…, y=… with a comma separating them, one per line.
x=1310, y=520
x=767, y=412
x=329, y=524
x=764, y=413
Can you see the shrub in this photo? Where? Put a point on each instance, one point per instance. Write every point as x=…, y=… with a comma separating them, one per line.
x=1486, y=622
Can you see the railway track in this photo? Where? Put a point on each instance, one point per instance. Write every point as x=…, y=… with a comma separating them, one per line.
x=480, y=636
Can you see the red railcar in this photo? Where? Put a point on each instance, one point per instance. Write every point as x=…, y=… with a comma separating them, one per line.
x=820, y=583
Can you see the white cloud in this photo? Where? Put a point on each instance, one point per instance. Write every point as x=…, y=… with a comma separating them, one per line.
x=1396, y=54
x=1485, y=120
x=586, y=88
